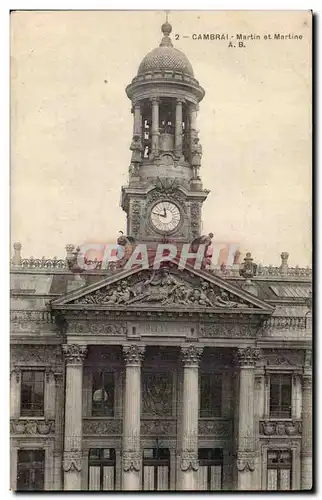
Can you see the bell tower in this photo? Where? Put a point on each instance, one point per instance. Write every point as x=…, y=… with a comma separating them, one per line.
x=164, y=195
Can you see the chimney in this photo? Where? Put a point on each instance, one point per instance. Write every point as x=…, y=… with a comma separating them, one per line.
x=16, y=260
x=284, y=264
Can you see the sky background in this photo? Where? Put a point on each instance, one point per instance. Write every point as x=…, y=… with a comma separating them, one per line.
x=71, y=126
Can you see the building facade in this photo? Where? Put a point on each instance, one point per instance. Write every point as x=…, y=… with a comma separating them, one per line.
x=161, y=377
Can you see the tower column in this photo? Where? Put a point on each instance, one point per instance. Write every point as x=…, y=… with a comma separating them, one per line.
x=306, y=459
x=137, y=122
x=189, y=462
x=155, y=126
x=246, y=357
x=193, y=116
x=131, y=466
x=178, y=132
x=74, y=356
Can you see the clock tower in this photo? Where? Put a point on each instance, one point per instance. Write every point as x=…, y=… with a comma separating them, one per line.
x=164, y=195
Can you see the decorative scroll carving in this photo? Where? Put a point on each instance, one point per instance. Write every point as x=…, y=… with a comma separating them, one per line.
x=247, y=356
x=214, y=427
x=72, y=461
x=158, y=427
x=195, y=217
x=279, y=357
x=98, y=328
x=308, y=358
x=191, y=355
x=189, y=460
x=233, y=330
x=157, y=394
x=102, y=427
x=280, y=428
x=284, y=323
x=245, y=461
x=164, y=288
x=131, y=461
x=74, y=353
x=136, y=217
x=32, y=427
x=133, y=354
x=35, y=354
x=37, y=316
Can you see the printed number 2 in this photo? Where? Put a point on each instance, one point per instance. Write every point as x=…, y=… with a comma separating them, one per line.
x=176, y=37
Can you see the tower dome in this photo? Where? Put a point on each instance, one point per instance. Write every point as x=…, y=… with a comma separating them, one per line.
x=165, y=57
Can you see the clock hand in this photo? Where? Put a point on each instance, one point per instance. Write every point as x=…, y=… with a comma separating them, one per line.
x=159, y=215
x=165, y=212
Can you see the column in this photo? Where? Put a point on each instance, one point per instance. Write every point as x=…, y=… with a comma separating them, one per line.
x=59, y=424
x=193, y=117
x=178, y=132
x=306, y=458
x=15, y=384
x=189, y=462
x=155, y=126
x=137, y=124
x=246, y=479
x=131, y=457
x=74, y=357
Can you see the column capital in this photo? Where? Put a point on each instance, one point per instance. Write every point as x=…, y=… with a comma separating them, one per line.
x=247, y=356
x=131, y=461
x=180, y=100
x=72, y=461
x=133, y=354
x=245, y=461
x=194, y=107
x=191, y=355
x=155, y=100
x=74, y=353
x=307, y=381
x=189, y=460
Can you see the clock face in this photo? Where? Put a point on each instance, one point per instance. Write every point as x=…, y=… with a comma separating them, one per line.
x=165, y=216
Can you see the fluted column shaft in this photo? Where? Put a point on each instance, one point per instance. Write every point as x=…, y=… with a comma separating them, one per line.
x=137, y=122
x=178, y=132
x=189, y=463
x=15, y=387
x=74, y=357
x=155, y=126
x=246, y=432
x=131, y=466
x=306, y=459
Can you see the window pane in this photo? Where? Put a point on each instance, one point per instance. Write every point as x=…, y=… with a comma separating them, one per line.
x=163, y=477
x=30, y=470
x=285, y=479
x=94, y=453
x=148, y=453
x=272, y=479
x=215, y=477
x=202, y=477
x=94, y=478
x=148, y=477
x=103, y=393
x=211, y=394
x=26, y=376
x=108, y=478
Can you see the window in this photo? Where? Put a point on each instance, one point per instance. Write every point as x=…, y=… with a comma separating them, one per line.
x=31, y=470
x=210, y=395
x=32, y=393
x=156, y=469
x=103, y=394
x=210, y=469
x=279, y=468
x=101, y=465
x=280, y=404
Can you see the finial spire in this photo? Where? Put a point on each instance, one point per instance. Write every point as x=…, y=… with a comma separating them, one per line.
x=166, y=29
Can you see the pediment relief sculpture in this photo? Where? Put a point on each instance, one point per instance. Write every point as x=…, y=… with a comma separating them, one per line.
x=163, y=288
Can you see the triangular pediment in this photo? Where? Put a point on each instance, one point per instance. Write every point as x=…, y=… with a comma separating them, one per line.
x=167, y=288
